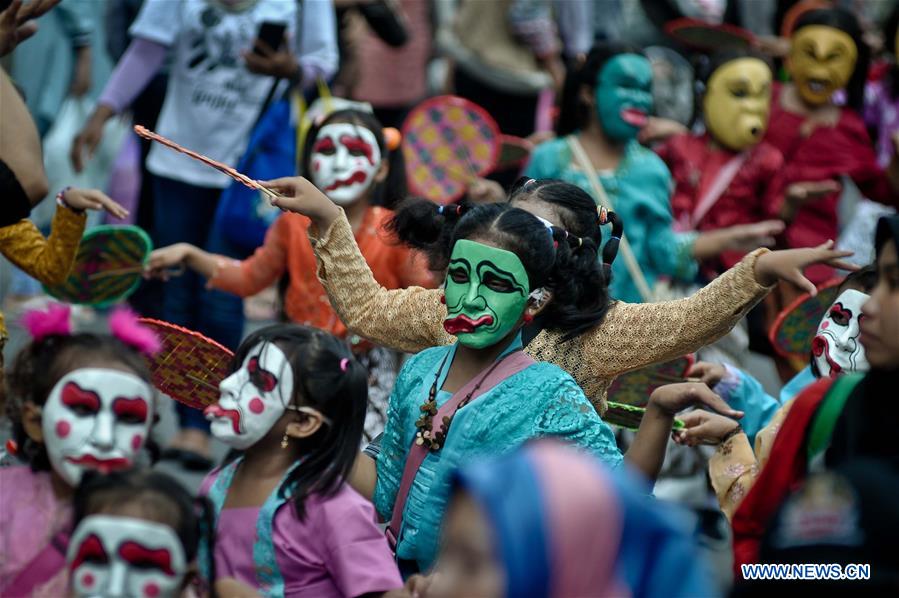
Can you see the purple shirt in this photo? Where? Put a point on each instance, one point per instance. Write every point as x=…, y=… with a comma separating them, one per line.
x=337, y=550
x=882, y=114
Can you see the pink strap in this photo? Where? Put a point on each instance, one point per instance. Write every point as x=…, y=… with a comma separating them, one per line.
x=510, y=366
x=717, y=188
x=48, y=562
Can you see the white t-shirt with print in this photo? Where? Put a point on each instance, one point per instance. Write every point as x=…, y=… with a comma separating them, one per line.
x=212, y=100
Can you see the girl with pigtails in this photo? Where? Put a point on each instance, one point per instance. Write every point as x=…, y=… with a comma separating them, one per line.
x=506, y=269
x=359, y=167
x=627, y=337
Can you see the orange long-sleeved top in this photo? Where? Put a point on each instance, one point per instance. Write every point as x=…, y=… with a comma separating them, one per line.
x=287, y=249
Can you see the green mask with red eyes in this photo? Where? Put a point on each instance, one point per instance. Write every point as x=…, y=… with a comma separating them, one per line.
x=487, y=291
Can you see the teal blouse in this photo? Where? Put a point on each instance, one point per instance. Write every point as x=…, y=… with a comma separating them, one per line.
x=541, y=400
x=640, y=190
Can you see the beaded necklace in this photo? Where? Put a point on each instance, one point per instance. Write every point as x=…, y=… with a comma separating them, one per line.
x=425, y=424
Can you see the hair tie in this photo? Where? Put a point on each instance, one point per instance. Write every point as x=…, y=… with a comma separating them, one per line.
x=392, y=138
x=603, y=215
x=54, y=321
x=614, y=237
x=124, y=325
x=580, y=241
x=344, y=364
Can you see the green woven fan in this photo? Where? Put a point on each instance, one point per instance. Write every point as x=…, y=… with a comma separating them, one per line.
x=107, y=268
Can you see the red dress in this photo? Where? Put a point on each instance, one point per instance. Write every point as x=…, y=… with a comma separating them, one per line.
x=827, y=153
x=753, y=194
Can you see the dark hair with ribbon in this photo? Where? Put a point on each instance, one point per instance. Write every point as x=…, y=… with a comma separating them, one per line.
x=576, y=212
x=329, y=379
x=162, y=498
x=561, y=262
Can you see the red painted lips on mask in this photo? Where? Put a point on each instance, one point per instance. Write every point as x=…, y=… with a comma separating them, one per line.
x=819, y=348
x=464, y=324
x=216, y=411
x=356, y=177
x=100, y=464
x=634, y=117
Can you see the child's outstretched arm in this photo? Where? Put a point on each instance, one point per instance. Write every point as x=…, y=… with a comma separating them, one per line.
x=50, y=259
x=242, y=278
x=408, y=319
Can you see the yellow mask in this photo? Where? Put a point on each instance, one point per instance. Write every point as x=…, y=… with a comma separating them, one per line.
x=737, y=102
x=821, y=61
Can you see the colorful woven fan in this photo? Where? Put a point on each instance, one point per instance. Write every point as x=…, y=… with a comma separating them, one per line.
x=190, y=366
x=795, y=326
x=634, y=388
x=706, y=37
x=447, y=143
x=107, y=267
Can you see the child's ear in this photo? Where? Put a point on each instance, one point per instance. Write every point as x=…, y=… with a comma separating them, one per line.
x=31, y=421
x=305, y=426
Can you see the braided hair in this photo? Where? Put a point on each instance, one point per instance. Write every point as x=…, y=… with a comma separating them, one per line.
x=564, y=263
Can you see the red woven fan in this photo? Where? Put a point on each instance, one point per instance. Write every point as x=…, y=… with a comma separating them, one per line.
x=705, y=37
x=190, y=366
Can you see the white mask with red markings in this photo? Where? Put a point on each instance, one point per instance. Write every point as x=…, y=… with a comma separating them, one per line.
x=253, y=398
x=96, y=418
x=122, y=556
x=345, y=159
x=836, y=348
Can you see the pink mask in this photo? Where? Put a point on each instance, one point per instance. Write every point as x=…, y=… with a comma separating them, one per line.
x=836, y=348
x=122, y=556
x=96, y=418
x=345, y=159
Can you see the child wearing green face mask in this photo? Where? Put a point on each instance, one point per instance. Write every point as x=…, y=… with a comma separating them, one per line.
x=605, y=104
x=482, y=396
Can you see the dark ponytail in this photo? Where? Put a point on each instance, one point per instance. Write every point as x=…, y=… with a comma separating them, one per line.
x=610, y=251
x=564, y=263
x=329, y=379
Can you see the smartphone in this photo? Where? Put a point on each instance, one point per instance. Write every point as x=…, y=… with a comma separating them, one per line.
x=272, y=33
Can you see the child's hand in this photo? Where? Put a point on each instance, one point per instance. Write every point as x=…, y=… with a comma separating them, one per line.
x=788, y=265
x=703, y=427
x=93, y=199
x=671, y=399
x=709, y=374
x=164, y=258
x=301, y=196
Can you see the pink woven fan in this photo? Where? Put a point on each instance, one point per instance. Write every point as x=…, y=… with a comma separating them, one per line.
x=190, y=366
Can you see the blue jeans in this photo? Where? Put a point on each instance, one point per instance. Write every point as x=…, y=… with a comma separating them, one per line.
x=184, y=213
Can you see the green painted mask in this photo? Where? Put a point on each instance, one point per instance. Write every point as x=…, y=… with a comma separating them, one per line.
x=487, y=290
x=624, y=96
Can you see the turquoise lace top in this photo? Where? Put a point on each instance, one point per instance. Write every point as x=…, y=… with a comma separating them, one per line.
x=640, y=189
x=541, y=400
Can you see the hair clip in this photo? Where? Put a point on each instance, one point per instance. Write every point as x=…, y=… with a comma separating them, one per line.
x=54, y=321
x=124, y=325
x=442, y=210
x=603, y=215
x=344, y=364
x=392, y=138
